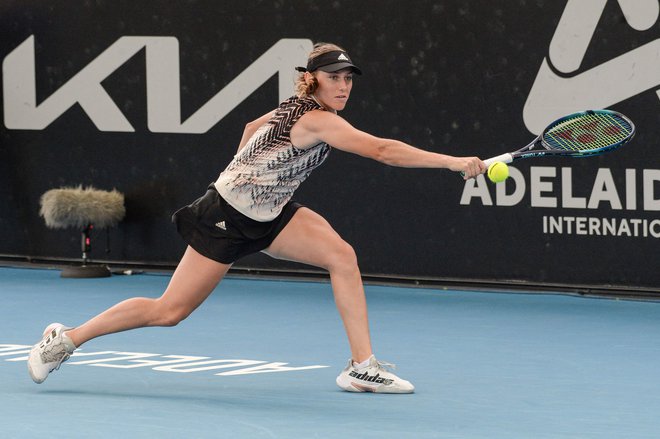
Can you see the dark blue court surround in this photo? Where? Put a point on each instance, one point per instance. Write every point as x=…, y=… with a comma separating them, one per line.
x=485, y=365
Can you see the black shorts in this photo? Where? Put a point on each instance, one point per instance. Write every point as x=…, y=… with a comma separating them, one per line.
x=218, y=231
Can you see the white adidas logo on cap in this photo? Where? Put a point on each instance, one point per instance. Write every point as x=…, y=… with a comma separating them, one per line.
x=342, y=57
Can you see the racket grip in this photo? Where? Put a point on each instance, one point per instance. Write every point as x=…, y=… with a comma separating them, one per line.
x=506, y=158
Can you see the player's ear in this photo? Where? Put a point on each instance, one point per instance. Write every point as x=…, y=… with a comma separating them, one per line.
x=312, y=83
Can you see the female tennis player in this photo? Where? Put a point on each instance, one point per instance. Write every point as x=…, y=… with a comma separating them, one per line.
x=249, y=209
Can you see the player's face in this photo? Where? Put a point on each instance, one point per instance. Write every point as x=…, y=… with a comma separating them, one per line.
x=334, y=88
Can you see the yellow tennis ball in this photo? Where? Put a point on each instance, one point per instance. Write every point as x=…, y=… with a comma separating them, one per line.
x=498, y=172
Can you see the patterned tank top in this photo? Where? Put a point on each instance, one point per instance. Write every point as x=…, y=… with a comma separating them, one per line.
x=263, y=175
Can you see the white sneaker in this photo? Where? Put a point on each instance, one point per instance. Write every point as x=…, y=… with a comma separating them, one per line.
x=47, y=355
x=372, y=378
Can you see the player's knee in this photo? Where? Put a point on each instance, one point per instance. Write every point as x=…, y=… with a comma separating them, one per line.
x=172, y=315
x=343, y=258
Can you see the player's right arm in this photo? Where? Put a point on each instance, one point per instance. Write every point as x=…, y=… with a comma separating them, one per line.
x=324, y=126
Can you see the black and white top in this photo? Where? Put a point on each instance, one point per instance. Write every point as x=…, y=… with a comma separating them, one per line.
x=263, y=175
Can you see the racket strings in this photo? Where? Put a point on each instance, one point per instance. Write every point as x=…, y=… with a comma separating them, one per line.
x=588, y=132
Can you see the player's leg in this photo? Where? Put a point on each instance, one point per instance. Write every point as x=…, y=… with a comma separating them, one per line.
x=194, y=279
x=309, y=238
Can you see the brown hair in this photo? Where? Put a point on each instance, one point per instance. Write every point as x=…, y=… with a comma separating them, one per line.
x=304, y=89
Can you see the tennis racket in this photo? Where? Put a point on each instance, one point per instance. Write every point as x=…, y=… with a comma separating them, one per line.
x=583, y=134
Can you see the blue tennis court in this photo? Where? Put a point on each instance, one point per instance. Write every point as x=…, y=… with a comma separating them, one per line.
x=259, y=360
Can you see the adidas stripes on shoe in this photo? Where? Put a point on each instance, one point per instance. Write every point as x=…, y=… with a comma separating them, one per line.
x=47, y=355
x=373, y=378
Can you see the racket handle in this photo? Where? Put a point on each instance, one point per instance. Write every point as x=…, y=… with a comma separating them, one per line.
x=506, y=158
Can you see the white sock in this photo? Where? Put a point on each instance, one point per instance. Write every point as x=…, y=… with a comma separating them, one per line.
x=70, y=347
x=362, y=365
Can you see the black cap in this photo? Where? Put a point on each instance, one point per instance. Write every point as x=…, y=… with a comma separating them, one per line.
x=330, y=62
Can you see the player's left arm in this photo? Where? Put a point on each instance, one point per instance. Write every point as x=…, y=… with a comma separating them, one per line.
x=252, y=127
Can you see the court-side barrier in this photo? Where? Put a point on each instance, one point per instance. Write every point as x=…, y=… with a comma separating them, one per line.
x=153, y=103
